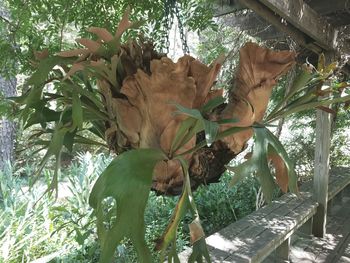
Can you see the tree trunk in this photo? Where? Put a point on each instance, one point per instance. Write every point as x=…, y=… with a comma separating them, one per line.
x=7, y=128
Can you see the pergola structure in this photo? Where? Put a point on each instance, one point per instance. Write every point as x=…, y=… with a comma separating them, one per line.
x=319, y=26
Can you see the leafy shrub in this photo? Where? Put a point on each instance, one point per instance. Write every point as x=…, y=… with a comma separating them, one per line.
x=63, y=230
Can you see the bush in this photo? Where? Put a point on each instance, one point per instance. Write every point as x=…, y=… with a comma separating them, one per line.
x=63, y=230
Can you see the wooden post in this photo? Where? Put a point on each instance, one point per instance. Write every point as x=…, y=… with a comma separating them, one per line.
x=282, y=252
x=306, y=229
x=321, y=171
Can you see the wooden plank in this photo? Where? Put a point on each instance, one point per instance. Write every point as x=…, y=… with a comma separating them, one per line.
x=268, y=227
x=247, y=236
x=321, y=171
x=288, y=224
x=342, y=176
x=338, y=187
x=304, y=18
x=325, y=7
x=274, y=19
x=254, y=218
x=259, y=247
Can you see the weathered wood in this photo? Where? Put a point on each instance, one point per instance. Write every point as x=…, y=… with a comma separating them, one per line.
x=330, y=248
x=325, y=7
x=254, y=25
x=321, y=170
x=306, y=229
x=276, y=20
x=257, y=247
x=282, y=252
x=321, y=173
x=256, y=236
x=233, y=230
x=339, y=180
x=304, y=18
x=263, y=233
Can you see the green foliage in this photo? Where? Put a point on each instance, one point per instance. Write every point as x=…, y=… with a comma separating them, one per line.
x=299, y=142
x=130, y=195
x=37, y=25
x=120, y=195
x=220, y=205
x=62, y=230
x=50, y=229
x=222, y=40
x=265, y=142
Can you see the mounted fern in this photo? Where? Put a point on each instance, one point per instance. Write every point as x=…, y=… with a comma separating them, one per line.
x=170, y=128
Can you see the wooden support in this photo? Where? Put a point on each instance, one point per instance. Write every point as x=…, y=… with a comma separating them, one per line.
x=339, y=197
x=326, y=7
x=254, y=25
x=298, y=21
x=304, y=18
x=306, y=229
x=282, y=252
x=276, y=20
x=321, y=171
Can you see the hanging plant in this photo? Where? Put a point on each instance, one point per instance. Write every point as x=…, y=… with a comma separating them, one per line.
x=170, y=128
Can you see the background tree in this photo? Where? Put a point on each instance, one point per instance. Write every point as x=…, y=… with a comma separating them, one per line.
x=7, y=89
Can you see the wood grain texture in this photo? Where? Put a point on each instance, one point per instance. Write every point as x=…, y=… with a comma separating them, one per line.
x=307, y=20
x=258, y=235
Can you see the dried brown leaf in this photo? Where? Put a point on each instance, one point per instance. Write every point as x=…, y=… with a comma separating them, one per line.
x=196, y=231
x=205, y=77
x=102, y=33
x=281, y=171
x=75, y=67
x=91, y=45
x=73, y=53
x=40, y=55
x=258, y=64
x=259, y=69
x=124, y=24
x=129, y=120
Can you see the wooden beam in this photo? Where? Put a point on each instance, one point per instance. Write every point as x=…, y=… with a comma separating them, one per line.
x=304, y=18
x=282, y=252
x=325, y=7
x=276, y=20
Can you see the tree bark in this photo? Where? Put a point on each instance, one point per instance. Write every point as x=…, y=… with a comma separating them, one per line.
x=7, y=127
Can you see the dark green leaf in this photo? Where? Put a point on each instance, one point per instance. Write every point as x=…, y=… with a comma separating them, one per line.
x=128, y=180
x=44, y=68
x=77, y=111
x=212, y=104
x=259, y=163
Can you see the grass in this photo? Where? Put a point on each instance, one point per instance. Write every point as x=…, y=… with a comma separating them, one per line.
x=63, y=230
